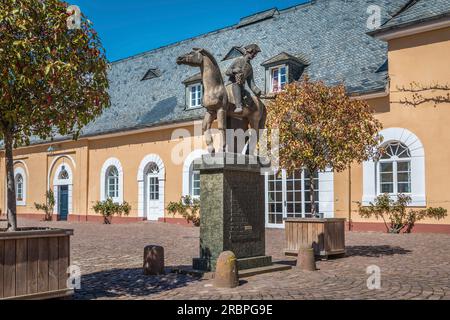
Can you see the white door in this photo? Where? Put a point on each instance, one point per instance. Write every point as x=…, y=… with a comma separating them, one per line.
x=153, y=199
x=288, y=196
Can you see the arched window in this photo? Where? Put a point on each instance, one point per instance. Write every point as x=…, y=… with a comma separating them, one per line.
x=194, y=180
x=112, y=183
x=19, y=187
x=20, y=184
x=399, y=168
x=394, y=167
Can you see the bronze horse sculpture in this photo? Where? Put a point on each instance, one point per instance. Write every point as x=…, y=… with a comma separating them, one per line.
x=218, y=99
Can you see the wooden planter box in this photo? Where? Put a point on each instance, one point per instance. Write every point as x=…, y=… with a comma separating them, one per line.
x=326, y=236
x=34, y=262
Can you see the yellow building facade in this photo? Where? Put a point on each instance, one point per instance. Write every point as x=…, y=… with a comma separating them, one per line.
x=149, y=166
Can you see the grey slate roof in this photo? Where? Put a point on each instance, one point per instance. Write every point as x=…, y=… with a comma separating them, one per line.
x=331, y=33
x=419, y=11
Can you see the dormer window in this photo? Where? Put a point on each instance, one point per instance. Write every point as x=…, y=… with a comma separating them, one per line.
x=283, y=69
x=195, y=95
x=151, y=74
x=235, y=52
x=194, y=91
x=278, y=78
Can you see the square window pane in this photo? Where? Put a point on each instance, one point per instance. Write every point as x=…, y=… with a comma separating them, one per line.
x=289, y=185
x=404, y=187
x=386, y=167
x=387, y=177
x=278, y=185
x=307, y=195
x=298, y=196
x=278, y=196
x=290, y=196
x=387, y=188
x=271, y=207
x=307, y=207
x=298, y=207
x=403, y=166
x=279, y=207
x=275, y=74
x=403, y=177
x=308, y=184
x=279, y=219
x=290, y=207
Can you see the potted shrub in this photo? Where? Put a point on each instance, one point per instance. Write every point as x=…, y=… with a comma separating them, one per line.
x=53, y=91
x=188, y=208
x=108, y=208
x=394, y=213
x=319, y=127
x=48, y=206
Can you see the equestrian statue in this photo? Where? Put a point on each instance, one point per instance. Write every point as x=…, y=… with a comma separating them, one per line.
x=231, y=102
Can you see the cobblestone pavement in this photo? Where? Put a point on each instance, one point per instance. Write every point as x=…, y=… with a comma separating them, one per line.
x=413, y=266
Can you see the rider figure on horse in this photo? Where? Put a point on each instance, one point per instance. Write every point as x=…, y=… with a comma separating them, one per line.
x=241, y=71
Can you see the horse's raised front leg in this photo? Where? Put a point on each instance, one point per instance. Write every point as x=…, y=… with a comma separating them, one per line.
x=222, y=124
x=209, y=118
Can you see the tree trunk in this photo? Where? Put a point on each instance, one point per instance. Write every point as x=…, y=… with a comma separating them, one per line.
x=312, y=197
x=11, y=188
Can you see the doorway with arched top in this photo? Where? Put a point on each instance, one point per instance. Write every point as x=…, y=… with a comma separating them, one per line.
x=62, y=188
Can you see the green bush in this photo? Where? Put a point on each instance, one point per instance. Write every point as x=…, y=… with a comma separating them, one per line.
x=395, y=215
x=108, y=209
x=188, y=208
x=48, y=206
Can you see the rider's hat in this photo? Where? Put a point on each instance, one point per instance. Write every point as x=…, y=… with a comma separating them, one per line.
x=252, y=48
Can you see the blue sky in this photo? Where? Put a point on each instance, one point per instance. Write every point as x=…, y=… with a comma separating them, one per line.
x=128, y=27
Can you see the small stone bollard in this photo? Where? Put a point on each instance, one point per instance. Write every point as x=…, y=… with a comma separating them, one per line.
x=226, y=275
x=153, y=260
x=306, y=259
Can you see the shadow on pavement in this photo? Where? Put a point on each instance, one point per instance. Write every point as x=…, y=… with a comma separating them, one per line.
x=374, y=251
x=128, y=283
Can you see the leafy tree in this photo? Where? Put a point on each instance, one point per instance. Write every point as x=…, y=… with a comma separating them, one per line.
x=394, y=211
x=53, y=79
x=321, y=127
x=188, y=208
x=48, y=206
x=108, y=209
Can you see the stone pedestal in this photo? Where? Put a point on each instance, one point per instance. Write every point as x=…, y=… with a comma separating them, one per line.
x=232, y=211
